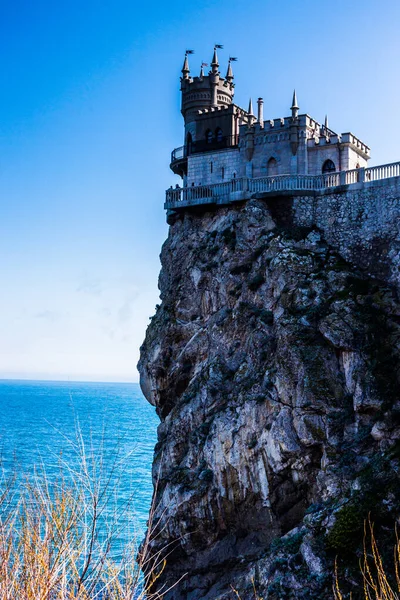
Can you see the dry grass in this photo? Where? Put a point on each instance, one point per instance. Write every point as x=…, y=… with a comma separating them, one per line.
x=256, y=596
x=60, y=536
x=375, y=576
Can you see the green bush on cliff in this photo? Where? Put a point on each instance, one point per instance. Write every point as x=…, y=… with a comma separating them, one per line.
x=346, y=533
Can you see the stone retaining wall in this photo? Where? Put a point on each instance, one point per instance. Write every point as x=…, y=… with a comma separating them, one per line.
x=362, y=223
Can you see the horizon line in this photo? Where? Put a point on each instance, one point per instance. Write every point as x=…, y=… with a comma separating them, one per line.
x=65, y=380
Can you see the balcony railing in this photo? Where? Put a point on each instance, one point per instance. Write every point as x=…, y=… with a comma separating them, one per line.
x=178, y=154
x=215, y=144
x=245, y=187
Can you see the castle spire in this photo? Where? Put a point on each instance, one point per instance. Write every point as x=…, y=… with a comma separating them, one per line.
x=214, y=77
x=185, y=68
x=326, y=123
x=251, y=118
x=214, y=62
x=250, y=111
x=295, y=107
x=229, y=73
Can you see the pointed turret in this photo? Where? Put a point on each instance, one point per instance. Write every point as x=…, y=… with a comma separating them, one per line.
x=214, y=77
x=185, y=68
x=251, y=117
x=295, y=107
x=294, y=125
x=326, y=123
x=250, y=111
x=294, y=101
x=229, y=73
x=214, y=62
x=201, y=72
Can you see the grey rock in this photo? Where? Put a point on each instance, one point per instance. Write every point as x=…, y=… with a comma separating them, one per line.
x=276, y=382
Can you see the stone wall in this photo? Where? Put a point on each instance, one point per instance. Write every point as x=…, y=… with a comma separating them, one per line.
x=362, y=223
x=199, y=167
x=309, y=158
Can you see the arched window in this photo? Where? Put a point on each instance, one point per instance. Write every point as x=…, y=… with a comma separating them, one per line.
x=218, y=134
x=328, y=166
x=272, y=167
x=189, y=144
x=209, y=136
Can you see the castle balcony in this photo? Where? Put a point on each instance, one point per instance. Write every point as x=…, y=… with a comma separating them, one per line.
x=244, y=188
x=179, y=161
x=180, y=155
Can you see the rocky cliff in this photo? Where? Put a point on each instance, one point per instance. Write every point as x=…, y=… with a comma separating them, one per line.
x=274, y=367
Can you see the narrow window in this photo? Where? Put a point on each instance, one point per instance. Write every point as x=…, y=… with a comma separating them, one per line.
x=209, y=136
x=234, y=175
x=328, y=166
x=211, y=167
x=218, y=134
x=222, y=172
x=272, y=167
x=189, y=143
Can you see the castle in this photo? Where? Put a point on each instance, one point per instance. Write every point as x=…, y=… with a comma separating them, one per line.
x=312, y=175
x=224, y=142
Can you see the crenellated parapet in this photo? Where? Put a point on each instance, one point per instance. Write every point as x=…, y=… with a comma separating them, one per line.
x=205, y=92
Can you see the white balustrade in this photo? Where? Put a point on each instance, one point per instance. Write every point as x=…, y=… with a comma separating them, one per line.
x=382, y=172
x=220, y=192
x=352, y=176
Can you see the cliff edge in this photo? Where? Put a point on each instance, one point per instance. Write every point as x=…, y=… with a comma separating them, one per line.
x=274, y=367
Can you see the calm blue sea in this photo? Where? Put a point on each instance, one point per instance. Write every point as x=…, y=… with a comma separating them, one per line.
x=39, y=419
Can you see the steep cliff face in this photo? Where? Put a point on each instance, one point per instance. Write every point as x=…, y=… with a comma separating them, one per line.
x=274, y=367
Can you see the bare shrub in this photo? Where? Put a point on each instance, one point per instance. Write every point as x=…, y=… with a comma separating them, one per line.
x=376, y=578
x=61, y=536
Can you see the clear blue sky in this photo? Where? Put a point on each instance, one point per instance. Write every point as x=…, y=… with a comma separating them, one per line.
x=89, y=113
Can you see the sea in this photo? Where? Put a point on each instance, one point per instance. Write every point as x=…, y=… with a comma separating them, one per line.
x=42, y=423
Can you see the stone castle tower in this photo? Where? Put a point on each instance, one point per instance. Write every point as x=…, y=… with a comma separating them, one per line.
x=223, y=141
